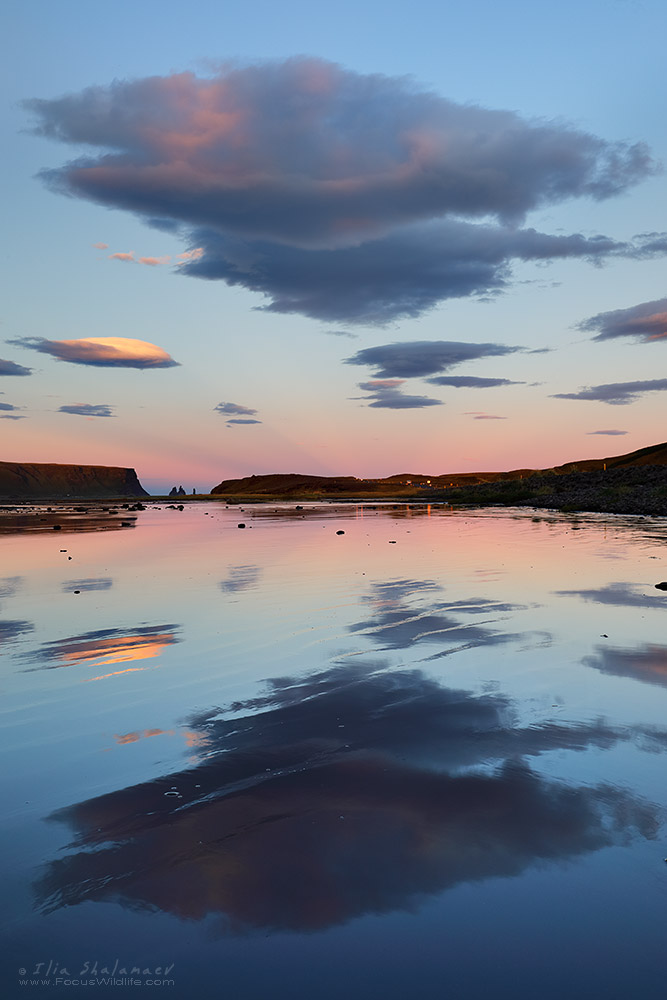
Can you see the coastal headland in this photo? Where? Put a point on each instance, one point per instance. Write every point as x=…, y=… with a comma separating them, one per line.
x=633, y=483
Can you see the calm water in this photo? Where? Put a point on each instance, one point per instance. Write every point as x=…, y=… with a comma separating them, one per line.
x=424, y=758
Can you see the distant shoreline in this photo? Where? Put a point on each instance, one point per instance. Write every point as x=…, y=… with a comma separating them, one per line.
x=638, y=490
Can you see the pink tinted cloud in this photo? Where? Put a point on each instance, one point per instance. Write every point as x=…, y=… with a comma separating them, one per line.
x=122, y=256
x=102, y=352
x=190, y=255
x=101, y=246
x=155, y=261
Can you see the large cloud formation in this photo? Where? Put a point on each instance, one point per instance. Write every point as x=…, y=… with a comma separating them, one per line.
x=307, y=182
x=646, y=321
x=102, y=352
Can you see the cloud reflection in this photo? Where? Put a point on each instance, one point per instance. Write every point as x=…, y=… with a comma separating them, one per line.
x=105, y=646
x=240, y=578
x=618, y=594
x=335, y=795
x=93, y=583
x=646, y=663
x=11, y=630
x=398, y=621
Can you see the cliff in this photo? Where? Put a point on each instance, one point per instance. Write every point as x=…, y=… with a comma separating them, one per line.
x=31, y=481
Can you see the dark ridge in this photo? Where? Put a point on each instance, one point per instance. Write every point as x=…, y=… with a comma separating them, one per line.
x=27, y=480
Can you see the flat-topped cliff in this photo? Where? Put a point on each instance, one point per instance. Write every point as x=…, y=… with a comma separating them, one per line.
x=33, y=480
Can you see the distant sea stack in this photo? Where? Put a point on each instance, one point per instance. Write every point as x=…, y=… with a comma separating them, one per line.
x=32, y=481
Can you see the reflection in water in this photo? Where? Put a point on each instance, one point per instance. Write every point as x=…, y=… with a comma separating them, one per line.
x=123, y=738
x=619, y=594
x=41, y=519
x=105, y=646
x=646, y=663
x=343, y=793
x=240, y=578
x=9, y=585
x=398, y=620
x=11, y=630
x=99, y=583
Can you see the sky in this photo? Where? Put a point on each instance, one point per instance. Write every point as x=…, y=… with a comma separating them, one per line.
x=357, y=239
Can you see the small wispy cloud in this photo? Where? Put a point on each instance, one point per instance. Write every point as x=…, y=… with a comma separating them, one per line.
x=101, y=246
x=385, y=394
x=155, y=261
x=610, y=433
x=189, y=255
x=616, y=393
x=235, y=409
x=471, y=382
x=11, y=368
x=126, y=257
x=87, y=409
x=646, y=321
x=237, y=413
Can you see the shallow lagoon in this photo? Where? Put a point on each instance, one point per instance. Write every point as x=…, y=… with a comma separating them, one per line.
x=425, y=757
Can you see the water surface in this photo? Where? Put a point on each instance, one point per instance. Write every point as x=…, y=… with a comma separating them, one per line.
x=382, y=750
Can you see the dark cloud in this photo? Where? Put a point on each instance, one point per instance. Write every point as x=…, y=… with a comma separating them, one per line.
x=7, y=406
x=646, y=321
x=11, y=368
x=610, y=433
x=242, y=421
x=616, y=393
x=101, y=352
x=240, y=578
x=347, y=792
x=386, y=394
x=399, y=275
x=87, y=409
x=471, y=382
x=412, y=359
x=341, y=333
x=312, y=184
x=647, y=663
x=618, y=594
x=297, y=151
x=11, y=416
x=90, y=583
x=234, y=409
x=487, y=416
